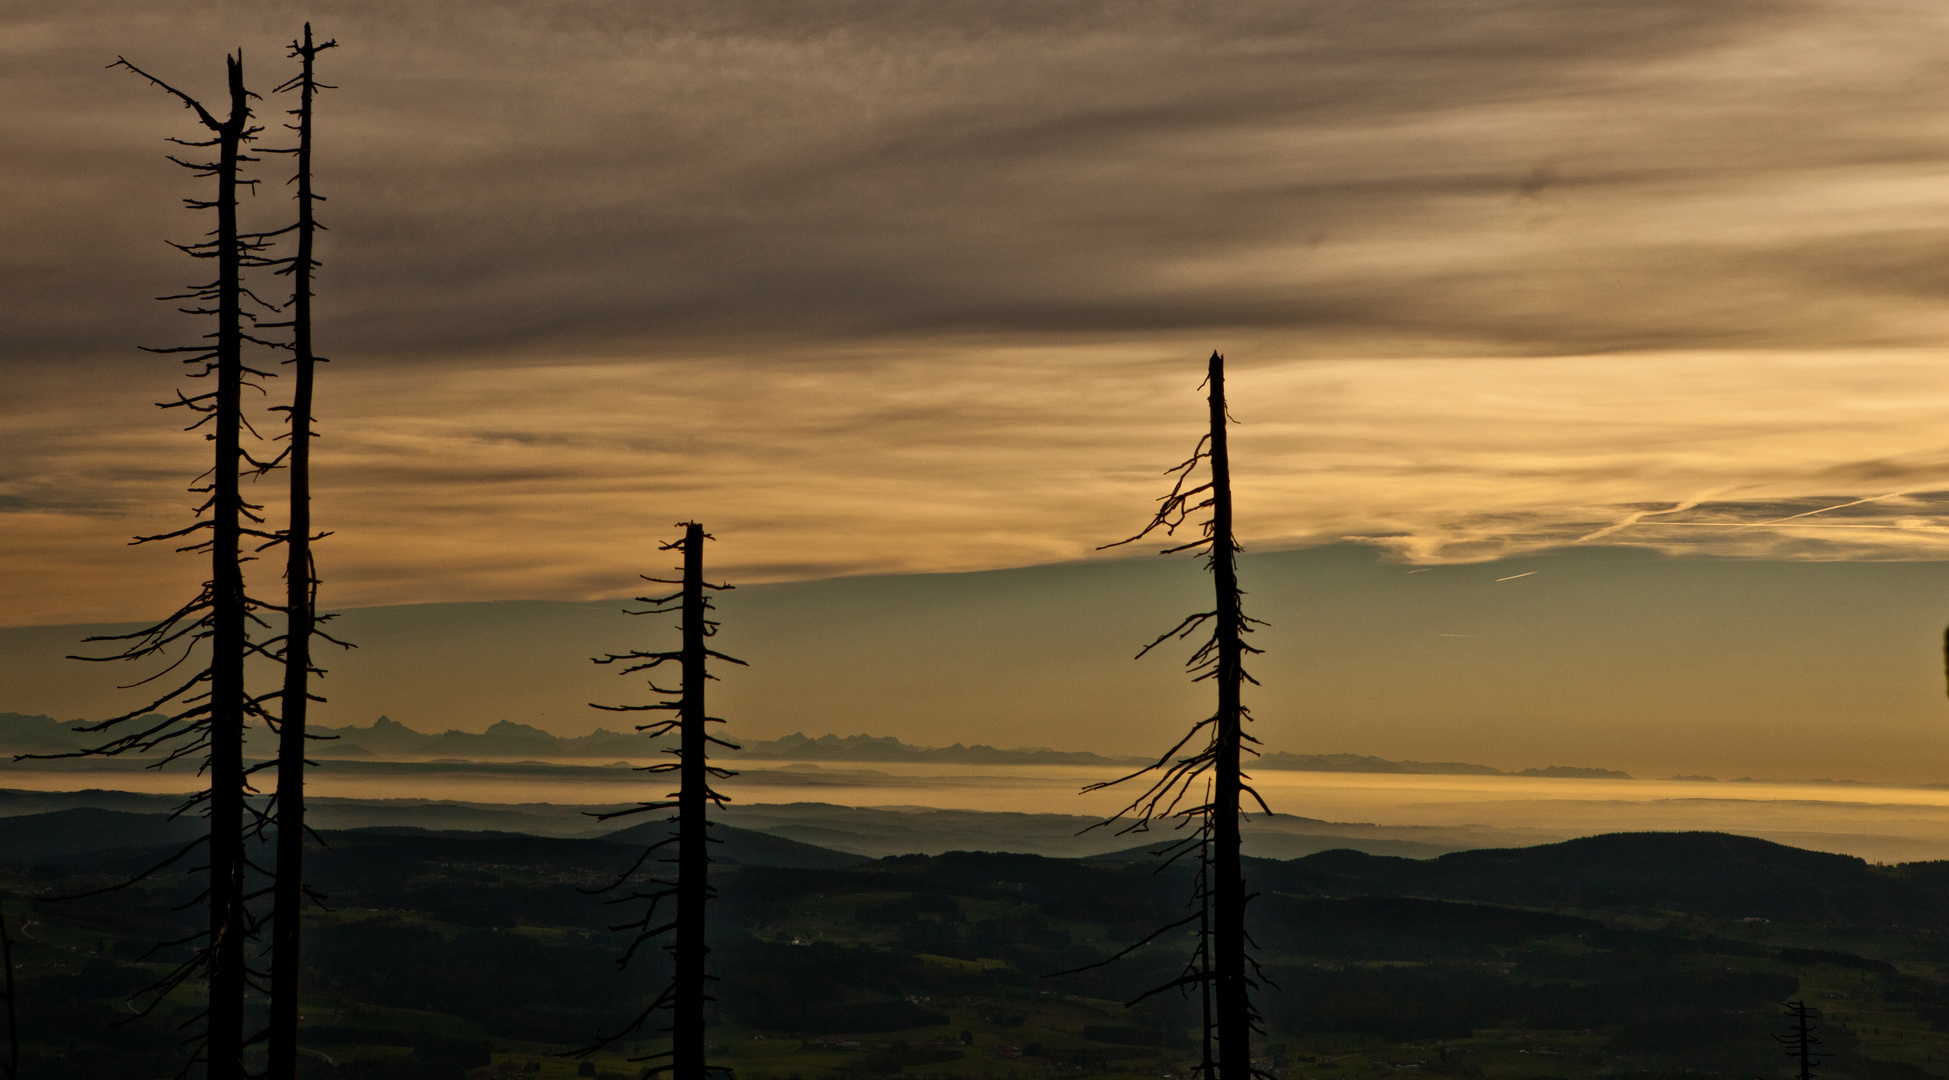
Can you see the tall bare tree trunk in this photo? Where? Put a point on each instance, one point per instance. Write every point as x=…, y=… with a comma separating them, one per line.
x=13, y=1015
x=1221, y=967
x=693, y=857
x=1207, y=1062
x=213, y=704
x=300, y=605
x=1233, y=1003
x=229, y=637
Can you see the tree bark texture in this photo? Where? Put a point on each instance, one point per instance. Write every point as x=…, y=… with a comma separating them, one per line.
x=300, y=618
x=13, y=1015
x=693, y=856
x=225, y=1047
x=1231, y=998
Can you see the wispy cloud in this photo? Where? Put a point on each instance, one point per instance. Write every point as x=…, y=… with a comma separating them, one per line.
x=444, y=482
x=885, y=285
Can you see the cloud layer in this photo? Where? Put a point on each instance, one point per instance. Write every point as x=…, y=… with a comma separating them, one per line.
x=911, y=286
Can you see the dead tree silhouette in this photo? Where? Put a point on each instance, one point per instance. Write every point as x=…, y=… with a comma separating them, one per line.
x=1800, y=1040
x=1221, y=966
x=13, y=1017
x=1201, y=959
x=207, y=711
x=301, y=592
x=690, y=890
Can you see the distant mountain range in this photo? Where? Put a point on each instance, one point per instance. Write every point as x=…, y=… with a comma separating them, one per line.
x=388, y=739
x=1362, y=763
x=796, y=747
x=385, y=739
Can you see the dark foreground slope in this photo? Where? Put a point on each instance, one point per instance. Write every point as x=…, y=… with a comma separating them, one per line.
x=471, y=954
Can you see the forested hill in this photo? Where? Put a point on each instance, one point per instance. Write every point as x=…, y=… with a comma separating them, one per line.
x=1715, y=874
x=449, y=954
x=455, y=954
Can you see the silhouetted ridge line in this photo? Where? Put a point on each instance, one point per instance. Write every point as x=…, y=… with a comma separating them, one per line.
x=384, y=737
x=799, y=747
x=1362, y=763
x=1718, y=874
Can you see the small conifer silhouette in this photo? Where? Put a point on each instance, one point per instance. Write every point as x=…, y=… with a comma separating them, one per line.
x=1800, y=1039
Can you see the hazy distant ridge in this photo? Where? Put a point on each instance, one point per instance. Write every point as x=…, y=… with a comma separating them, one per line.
x=1362, y=763
x=503, y=739
x=21, y=733
x=797, y=747
x=387, y=738
x=24, y=734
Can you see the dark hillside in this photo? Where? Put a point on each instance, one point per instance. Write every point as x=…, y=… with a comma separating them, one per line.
x=1399, y=928
x=1712, y=874
x=472, y=954
x=61, y=836
x=746, y=847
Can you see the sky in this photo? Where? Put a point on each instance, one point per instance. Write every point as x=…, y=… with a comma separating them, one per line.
x=1607, y=657
x=917, y=287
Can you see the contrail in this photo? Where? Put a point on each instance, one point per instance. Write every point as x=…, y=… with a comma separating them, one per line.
x=1771, y=524
x=1843, y=506
x=1637, y=516
x=1638, y=519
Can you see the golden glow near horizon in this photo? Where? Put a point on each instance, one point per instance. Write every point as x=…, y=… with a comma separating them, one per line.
x=451, y=483
x=1891, y=824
